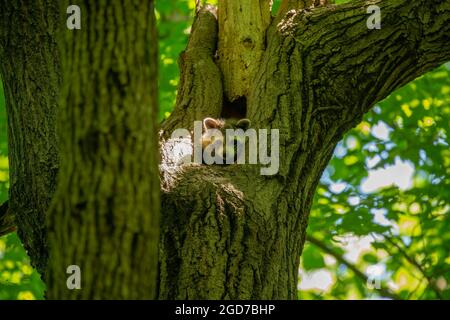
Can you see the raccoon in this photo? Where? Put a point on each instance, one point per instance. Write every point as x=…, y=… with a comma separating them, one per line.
x=214, y=138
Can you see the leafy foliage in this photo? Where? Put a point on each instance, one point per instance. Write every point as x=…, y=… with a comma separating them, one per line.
x=18, y=280
x=381, y=213
x=388, y=184
x=174, y=20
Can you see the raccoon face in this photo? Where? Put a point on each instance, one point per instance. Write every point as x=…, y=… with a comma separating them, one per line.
x=214, y=137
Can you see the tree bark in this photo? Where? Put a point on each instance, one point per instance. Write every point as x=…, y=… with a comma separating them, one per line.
x=104, y=217
x=242, y=41
x=200, y=76
x=31, y=77
x=230, y=233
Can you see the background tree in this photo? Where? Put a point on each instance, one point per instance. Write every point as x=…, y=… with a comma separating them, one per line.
x=105, y=212
x=221, y=238
x=104, y=215
x=28, y=48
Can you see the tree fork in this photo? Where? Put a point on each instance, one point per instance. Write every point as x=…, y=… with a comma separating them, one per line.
x=229, y=233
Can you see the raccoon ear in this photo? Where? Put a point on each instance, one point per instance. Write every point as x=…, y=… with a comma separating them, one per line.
x=210, y=123
x=243, y=124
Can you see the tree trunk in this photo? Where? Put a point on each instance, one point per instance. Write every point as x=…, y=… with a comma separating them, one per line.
x=104, y=217
x=31, y=76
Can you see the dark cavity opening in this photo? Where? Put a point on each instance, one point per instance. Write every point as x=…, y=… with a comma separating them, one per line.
x=236, y=109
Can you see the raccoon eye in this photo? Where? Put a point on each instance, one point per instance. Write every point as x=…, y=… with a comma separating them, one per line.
x=243, y=124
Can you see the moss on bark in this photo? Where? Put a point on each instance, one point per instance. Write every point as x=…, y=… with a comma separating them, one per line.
x=105, y=213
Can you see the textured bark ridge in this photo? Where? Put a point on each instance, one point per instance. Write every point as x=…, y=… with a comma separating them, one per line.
x=104, y=217
x=29, y=65
x=242, y=41
x=228, y=232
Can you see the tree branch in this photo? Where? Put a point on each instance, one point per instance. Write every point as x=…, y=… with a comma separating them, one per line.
x=412, y=261
x=353, y=67
x=200, y=92
x=7, y=223
x=242, y=30
x=287, y=5
x=322, y=246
